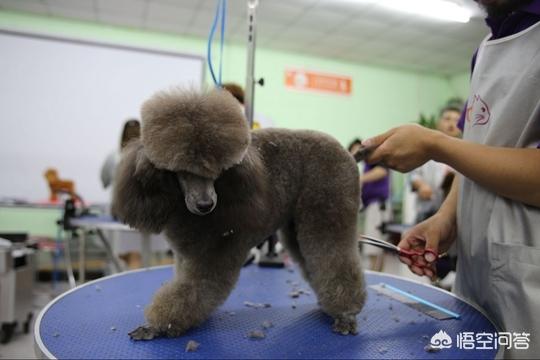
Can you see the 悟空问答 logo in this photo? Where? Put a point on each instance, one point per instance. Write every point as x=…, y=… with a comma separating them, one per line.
x=441, y=340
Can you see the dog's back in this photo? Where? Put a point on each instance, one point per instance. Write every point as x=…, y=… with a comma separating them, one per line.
x=299, y=161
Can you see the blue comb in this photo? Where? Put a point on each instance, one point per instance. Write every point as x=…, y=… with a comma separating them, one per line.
x=422, y=305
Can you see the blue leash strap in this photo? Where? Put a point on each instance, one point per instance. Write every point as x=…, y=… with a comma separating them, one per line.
x=220, y=13
x=222, y=36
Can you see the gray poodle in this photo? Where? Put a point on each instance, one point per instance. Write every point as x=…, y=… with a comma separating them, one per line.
x=217, y=189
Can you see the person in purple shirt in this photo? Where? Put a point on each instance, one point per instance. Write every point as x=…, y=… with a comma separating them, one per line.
x=375, y=181
x=493, y=208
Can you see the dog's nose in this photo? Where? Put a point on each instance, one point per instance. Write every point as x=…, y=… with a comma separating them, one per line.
x=205, y=206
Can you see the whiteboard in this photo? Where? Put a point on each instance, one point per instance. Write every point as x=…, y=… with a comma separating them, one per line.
x=63, y=104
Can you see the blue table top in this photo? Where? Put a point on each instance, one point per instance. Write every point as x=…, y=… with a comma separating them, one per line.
x=104, y=222
x=93, y=320
x=93, y=219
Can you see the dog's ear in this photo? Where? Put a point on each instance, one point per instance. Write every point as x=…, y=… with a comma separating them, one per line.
x=144, y=197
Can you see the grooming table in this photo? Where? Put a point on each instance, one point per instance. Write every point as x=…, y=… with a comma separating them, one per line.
x=93, y=320
x=99, y=224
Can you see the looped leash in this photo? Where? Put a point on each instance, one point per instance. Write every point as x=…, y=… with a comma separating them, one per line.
x=221, y=11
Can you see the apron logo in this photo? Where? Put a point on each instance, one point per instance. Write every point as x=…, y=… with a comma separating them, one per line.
x=478, y=113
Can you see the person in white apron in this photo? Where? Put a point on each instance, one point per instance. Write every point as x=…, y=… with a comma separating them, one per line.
x=493, y=209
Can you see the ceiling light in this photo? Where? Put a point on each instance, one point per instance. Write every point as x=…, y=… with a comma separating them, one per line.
x=437, y=9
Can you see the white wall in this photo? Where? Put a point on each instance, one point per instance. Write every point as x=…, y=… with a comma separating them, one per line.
x=63, y=105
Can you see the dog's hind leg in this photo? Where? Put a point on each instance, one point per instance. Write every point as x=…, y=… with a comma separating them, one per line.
x=332, y=264
x=289, y=240
x=202, y=283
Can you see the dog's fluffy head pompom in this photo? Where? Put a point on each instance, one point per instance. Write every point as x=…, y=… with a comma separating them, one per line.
x=203, y=133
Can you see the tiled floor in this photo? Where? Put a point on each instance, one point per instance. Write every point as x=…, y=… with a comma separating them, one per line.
x=20, y=347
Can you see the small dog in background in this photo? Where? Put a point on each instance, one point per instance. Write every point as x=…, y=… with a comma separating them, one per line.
x=58, y=186
x=217, y=189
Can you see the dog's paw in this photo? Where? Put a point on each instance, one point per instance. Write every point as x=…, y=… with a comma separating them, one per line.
x=345, y=325
x=145, y=333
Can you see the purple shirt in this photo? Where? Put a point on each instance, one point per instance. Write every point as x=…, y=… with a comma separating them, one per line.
x=376, y=190
x=504, y=26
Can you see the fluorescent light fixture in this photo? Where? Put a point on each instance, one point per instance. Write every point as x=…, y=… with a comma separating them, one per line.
x=436, y=9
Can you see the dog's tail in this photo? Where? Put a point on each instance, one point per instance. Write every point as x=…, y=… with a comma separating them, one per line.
x=361, y=154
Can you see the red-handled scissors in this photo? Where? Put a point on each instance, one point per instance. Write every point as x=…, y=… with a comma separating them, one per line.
x=370, y=240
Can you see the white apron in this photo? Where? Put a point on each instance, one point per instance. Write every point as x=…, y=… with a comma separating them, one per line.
x=499, y=239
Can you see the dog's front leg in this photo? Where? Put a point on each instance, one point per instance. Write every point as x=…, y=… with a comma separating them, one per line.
x=200, y=286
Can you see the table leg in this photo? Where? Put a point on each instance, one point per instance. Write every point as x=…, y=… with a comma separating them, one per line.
x=108, y=249
x=82, y=258
x=146, y=251
x=67, y=258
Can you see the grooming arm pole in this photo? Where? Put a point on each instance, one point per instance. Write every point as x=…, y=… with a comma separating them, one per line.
x=250, y=73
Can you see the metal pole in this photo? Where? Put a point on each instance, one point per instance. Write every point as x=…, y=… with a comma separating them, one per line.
x=250, y=73
x=82, y=257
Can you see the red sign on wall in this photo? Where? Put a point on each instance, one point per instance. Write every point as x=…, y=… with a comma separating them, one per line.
x=315, y=81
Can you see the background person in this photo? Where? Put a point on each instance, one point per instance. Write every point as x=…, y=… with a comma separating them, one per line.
x=127, y=245
x=432, y=181
x=130, y=131
x=375, y=183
